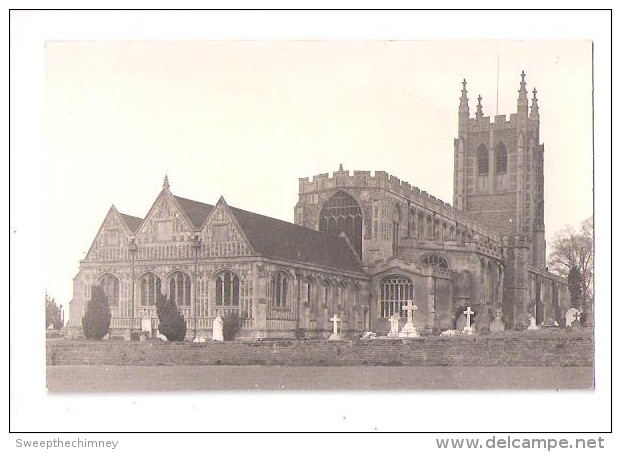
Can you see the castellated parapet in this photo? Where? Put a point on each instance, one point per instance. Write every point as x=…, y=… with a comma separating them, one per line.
x=382, y=180
x=484, y=124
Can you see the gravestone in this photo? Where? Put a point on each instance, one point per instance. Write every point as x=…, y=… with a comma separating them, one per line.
x=146, y=328
x=468, y=328
x=497, y=325
x=572, y=317
x=394, y=325
x=217, y=329
x=408, y=329
x=533, y=324
x=460, y=323
x=335, y=329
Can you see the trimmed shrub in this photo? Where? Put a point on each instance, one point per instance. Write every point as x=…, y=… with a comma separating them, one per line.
x=230, y=325
x=96, y=320
x=172, y=324
x=53, y=315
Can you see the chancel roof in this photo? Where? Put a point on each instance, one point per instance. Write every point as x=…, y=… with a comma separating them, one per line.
x=280, y=239
x=132, y=222
x=196, y=211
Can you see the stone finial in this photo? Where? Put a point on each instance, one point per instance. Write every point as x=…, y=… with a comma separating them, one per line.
x=463, y=101
x=522, y=102
x=479, y=113
x=522, y=90
x=340, y=167
x=534, y=109
x=166, y=184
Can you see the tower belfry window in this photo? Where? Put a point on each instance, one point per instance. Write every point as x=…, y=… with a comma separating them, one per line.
x=501, y=159
x=482, y=161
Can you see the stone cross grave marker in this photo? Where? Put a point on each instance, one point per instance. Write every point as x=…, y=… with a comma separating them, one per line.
x=572, y=315
x=468, y=312
x=408, y=309
x=408, y=329
x=335, y=328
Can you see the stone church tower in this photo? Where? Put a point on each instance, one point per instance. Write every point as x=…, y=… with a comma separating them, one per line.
x=498, y=181
x=498, y=177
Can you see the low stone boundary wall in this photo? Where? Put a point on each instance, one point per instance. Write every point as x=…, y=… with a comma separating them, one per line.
x=527, y=348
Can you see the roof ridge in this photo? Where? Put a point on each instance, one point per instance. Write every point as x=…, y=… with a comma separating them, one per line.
x=130, y=216
x=282, y=221
x=192, y=200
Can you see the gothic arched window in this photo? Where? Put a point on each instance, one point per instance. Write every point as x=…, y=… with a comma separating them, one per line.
x=394, y=292
x=110, y=285
x=482, y=161
x=180, y=289
x=501, y=159
x=307, y=295
x=342, y=213
x=434, y=259
x=150, y=287
x=227, y=289
x=281, y=289
x=396, y=221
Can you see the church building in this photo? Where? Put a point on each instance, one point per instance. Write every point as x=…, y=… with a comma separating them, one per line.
x=362, y=246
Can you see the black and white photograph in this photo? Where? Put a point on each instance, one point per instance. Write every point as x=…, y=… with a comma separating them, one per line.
x=250, y=228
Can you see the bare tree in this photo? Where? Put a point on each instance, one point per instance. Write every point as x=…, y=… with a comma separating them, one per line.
x=574, y=249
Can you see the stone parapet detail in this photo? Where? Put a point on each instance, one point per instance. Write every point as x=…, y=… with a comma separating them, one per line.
x=385, y=181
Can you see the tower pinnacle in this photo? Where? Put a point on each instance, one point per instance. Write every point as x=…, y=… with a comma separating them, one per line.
x=522, y=103
x=463, y=102
x=479, y=113
x=523, y=84
x=166, y=185
x=534, y=109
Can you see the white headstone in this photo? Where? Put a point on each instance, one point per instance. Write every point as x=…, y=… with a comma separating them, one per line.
x=572, y=315
x=146, y=325
x=217, y=329
x=533, y=324
x=497, y=325
x=394, y=325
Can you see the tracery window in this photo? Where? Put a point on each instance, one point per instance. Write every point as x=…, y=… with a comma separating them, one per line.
x=110, y=285
x=227, y=289
x=434, y=259
x=180, y=289
x=394, y=292
x=342, y=213
x=150, y=285
x=281, y=289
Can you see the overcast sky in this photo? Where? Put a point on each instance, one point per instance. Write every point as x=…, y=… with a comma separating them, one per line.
x=104, y=105
x=246, y=119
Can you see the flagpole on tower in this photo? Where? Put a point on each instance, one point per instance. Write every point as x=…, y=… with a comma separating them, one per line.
x=497, y=77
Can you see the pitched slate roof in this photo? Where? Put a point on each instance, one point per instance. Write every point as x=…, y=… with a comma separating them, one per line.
x=280, y=239
x=133, y=223
x=196, y=211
